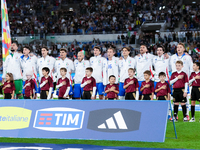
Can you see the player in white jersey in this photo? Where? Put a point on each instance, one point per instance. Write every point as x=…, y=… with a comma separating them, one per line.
x=96, y=63
x=187, y=66
x=64, y=62
x=12, y=65
x=80, y=65
x=143, y=62
x=29, y=64
x=45, y=61
x=125, y=63
x=110, y=67
x=161, y=64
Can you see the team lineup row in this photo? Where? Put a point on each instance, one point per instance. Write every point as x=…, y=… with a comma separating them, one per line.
x=19, y=65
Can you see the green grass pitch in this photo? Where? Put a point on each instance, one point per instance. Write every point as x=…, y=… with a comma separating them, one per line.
x=188, y=138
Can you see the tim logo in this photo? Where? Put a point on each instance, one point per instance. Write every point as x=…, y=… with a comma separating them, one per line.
x=59, y=119
x=114, y=120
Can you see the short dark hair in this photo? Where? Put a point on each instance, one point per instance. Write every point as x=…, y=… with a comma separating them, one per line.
x=160, y=46
x=131, y=69
x=28, y=47
x=45, y=48
x=162, y=74
x=64, y=69
x=112, y=76
x=90, y=69
x=63, y=49
x=147, y=72
x=16, y=43
x=198, y=64
x=128, y=48
x=46, y=69
x=97, y=47
x=112, y=49
x=144, y=45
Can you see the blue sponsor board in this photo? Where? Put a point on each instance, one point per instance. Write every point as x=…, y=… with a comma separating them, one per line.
x=98, y=120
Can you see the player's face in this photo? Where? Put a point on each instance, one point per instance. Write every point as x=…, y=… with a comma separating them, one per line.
x=112, y=80
x=63, y=54
x=96, y=52
x=160, y=51
x=131, y=73
x=80, y=57
x=143, y=49
x=62, y=73
x=28, y=77
x=125, y=52
x=14, y=47
x=7, y=78
x=26, y=51
x=44, y=73
x=162, y=78
x=88, y=73
x=180, y=49
x=178, y=67
x=195, y=67
x=146, y=76
x=110, y=53
x=44, y=52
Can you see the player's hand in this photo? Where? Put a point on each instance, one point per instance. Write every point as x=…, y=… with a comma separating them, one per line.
x=112, y=88
x=180, y=76
x=184, y=94
x=28, y=84
x=8, y=85
x=92, y=97
x=70, y=72
x=197, y=77
x=163, y=87
x=120, y=58
x=166, y=55
x=88, y=81
x=46, y=81
x=3, y=80
x=147, y=85
x=131, y=82
x=64, y=83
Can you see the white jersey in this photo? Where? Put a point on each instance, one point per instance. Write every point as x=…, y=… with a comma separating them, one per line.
x=29, y=64
x=96, y=63
x=124, y=65
x=47, y=62
x=12, y=65
x=110, y=68
x=66, y=63
x=143, y=63
x=187, y=63
x=80, y=70
x=161, y=65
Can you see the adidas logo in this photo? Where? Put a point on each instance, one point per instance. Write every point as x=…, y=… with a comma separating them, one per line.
x=116, y=122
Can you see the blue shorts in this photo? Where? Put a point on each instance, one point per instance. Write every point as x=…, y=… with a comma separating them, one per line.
x=100, y=88
x=140, y=84
x=23, y=90
x=155, y=87
x=105, y=94
x=78, y=91
x=121, y=89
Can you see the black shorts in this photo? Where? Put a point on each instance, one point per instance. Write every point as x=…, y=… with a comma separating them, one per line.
x=87, y=94
x=44, y=94
x=62, y=98
x=130, y=96
x=195, y=95
x=7, y=96
x=178, y=95
x=162, y=97
x=146, y=97
x=30, y=97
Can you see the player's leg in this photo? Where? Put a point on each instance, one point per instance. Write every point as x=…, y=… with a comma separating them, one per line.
x=188, y=103
x=19, y=88
x=140, y=93
x=176, y=103
x=195, y=95
x=77, y=91
x=121, y=91
x=70, y=92
x=100, y=90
